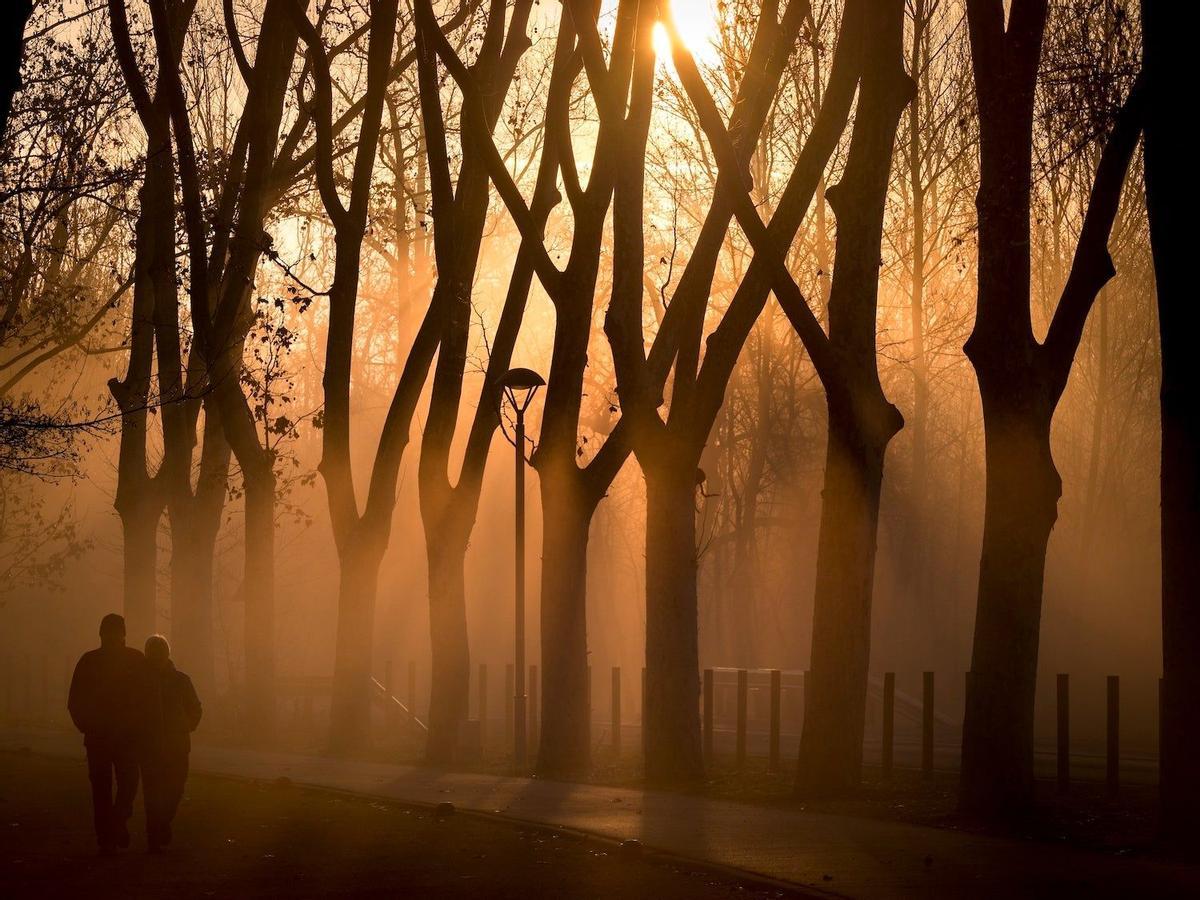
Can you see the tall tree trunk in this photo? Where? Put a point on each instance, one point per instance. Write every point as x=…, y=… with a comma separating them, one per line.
x=139, y=530
x=1021, y=505
x=258, y=595
x=671, y=724
x=564, y=747
x=1169, y=168
x=450, y=655
x=350, y=710
x=193, y=545
x=832, y=738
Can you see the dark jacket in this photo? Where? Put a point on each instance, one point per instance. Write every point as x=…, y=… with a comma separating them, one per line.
x=112, y=698
x=179, y=709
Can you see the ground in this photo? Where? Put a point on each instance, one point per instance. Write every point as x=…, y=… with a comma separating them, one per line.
x=254, y=839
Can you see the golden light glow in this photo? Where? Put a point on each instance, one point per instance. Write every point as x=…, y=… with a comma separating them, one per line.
x=697, y=24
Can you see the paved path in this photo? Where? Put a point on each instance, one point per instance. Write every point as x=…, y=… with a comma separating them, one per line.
x=829, y=854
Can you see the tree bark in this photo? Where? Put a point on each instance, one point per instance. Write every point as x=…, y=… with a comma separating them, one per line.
x=671, y=724
x=350, y=709
x=832, y=738
x=450, y=686
x=564, y=748
x=258, y=595
x=1169, y=169
x=1021, y=505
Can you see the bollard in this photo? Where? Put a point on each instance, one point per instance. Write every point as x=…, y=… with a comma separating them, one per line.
x=483, y=706
x=616, y=710
x=889, y=723
x=776, y=716
x=708, y=714
x=927, y=725
x=1064, y=732
x=743, y=692
x=1114, y=738
x=533, y=707
x=509, y=681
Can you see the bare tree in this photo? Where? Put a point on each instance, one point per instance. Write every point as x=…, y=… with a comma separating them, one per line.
x=1021, y=381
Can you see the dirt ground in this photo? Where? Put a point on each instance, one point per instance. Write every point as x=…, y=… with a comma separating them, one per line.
x=247, y=840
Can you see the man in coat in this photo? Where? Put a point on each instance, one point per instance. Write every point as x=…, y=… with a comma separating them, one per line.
x=165, y=763
x=111, y=700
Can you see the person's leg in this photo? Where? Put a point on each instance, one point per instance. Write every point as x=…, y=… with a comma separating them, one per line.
x=99, y=763
x=175, y=772
x=125, y=763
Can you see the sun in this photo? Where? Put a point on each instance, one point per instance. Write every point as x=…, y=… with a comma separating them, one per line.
x=697, y=24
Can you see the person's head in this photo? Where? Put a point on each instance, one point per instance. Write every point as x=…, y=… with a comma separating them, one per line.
x=158, y=651
x=112, y=631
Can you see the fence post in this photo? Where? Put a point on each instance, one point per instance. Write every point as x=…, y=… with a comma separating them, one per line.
x=743, y=696
x=1064, y=731
x=776, y=717
x=889, y=723
x=1114, y=733
x=616, y=710
x=509, y=681
x=534, y=708
x=483, y=706
x=927, y=725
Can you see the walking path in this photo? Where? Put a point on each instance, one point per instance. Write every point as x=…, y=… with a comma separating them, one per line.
x=828, y=854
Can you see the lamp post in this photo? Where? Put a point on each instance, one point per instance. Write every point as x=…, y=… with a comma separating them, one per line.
x=519, y=386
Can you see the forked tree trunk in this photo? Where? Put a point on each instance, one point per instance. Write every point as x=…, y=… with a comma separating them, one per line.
x=671, y=724
x=350, y=708
x=831, y=744
x=450, y=655
x=564, y=747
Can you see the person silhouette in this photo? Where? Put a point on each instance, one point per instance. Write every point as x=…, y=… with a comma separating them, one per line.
x=111, y=701
x=165, y=763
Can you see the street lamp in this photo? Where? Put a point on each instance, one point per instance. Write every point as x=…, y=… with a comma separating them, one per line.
x=519, y=386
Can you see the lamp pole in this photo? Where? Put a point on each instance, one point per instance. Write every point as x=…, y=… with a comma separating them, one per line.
x=526, y=381
x=520, y=750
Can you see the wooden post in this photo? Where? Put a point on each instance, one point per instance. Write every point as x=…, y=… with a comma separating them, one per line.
x=509, y=681
x=776, y=719
x=889, y=723
x=483, y=706
x=708, y=714
x=743, y=695
x=616, y=710
x=927, y=725
x=1114, y=734
x=1064, y=731
x=534, y=708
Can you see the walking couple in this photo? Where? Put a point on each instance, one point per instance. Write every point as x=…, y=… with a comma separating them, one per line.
x=137, y=713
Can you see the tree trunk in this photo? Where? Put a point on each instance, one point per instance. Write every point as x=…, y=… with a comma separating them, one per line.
x=832, y=739
x=565, y=742
x=350, y=707
x=1022, y=494
x=193, y=545
x=1169, y=168
x=139, y=528
x=450, y=655
x=258, y=595
x=671, y=724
